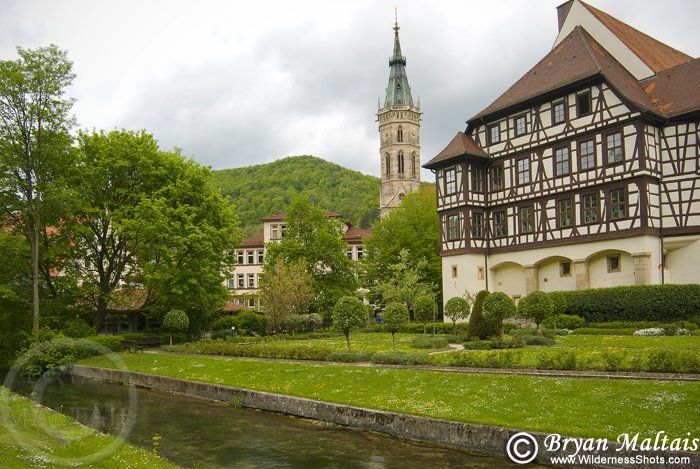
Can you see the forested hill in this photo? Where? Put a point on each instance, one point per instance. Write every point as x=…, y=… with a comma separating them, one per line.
x=268, y=188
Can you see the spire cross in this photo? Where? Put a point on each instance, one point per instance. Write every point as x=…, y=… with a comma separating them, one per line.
x=396, y=20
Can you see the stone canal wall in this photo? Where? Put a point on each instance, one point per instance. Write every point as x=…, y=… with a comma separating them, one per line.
x=472, y=437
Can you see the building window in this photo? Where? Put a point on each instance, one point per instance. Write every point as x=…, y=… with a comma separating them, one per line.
x=275, y=232
x=565, y=208
x=590, y=208
x=450, y=181
x=239, y=257
x=454, y=271
x=499, y=224
x=497, y=178
x=477, y=225
x=232, y=283
x=480, y=272
x=251, y=257
x=251, y=302
x=583, y=103
x=565, y=269
x=240, y=280
x=413, y=164
x=494, y=134
x=613, y=148
x=261, y=256
x=360, y=252
x=520, y=125
x=527, y=220
x=401, y=163
x=618, y=204
x=452, y=227
x=477, y=179
x=614, y=263
x=523, y=171
x=586, y=152
x=558, y=112
x=241, y=302
x=251, y=280
x=349, y=252
x=561, y=161
x=387, y=165
x=399, y=135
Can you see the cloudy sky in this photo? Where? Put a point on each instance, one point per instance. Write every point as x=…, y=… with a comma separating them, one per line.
x=236, y=83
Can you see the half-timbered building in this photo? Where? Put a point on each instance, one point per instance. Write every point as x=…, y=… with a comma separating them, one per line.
x=584, y=173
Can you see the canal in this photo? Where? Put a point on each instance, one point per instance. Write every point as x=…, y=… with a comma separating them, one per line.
x=195, y=433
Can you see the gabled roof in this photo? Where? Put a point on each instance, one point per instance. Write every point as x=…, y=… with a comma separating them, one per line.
x=655, y=54
x=675, y=91
x=576, y=58
x=461, y=145
x=253, y=241
x=355, y=235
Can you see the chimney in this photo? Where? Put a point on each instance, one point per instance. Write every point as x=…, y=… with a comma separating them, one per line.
x=563, y=12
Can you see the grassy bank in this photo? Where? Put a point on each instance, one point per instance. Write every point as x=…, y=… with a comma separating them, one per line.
x=570, y=406
x=33, y=436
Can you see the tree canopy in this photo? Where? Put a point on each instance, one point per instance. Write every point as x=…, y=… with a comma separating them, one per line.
x=260, y=190
x=349, y=313
x=286, y=289
x=408, y=236
x=316, y=239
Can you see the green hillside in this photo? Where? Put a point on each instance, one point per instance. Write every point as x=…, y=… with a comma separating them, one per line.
x=268, y=188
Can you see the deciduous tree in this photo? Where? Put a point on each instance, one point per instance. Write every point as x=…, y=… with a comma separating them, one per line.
x=34, y=147
x=394, y=317
x=285, y=289
x=457, y=308
x=349, y=313
x=497, y=307
x=175, y=320
x=536, y=306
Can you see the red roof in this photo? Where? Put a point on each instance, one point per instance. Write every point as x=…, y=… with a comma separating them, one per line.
x=355, y=235
x=675, y=91
x=461, y=145
x=253, y=241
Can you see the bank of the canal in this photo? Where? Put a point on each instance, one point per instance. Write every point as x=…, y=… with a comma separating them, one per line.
x=481, y=438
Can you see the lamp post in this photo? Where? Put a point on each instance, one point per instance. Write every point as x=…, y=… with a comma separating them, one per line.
x=233, y=332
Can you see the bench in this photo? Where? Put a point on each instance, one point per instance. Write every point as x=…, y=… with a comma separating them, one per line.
x=138, y=344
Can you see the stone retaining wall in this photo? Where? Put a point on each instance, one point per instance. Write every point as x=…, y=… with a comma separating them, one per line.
x=472, y=437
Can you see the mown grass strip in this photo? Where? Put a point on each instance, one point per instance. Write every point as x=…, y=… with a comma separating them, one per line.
x=569, y=406
x=33, y=436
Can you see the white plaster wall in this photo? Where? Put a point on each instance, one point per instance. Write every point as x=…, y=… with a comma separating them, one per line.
x=684, y=263
x=550, y=279
x=508, y=278
x=598, y=274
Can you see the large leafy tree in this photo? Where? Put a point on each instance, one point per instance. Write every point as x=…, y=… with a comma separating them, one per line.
x=403, y=282
x=316, y=239
x=148, y=220
x=34, y=148
x=409, y=234
x=286, y=289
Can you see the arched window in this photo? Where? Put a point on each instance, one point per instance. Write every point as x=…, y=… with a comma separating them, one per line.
x=387, y=165
x=400, y=161
x=414, y=163
x=399, y=135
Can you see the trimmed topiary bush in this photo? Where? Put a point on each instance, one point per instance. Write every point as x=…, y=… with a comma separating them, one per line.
x=349, y=313
x=479, y=326
x=430, y=343
x=423, y=310
x=536, y=306
x=456, y=308
x=497, y=307
x=394, y=317
x=175, y=320
x=400, y=358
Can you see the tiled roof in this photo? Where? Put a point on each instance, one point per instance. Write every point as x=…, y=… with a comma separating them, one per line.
x=127, y=300
x=253, y=241
x=675, y=91
x=462, y=144
x=355, y=234
x=577, y=57
x=655, y=54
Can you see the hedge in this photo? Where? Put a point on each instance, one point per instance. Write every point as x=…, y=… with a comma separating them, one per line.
x=636, y=303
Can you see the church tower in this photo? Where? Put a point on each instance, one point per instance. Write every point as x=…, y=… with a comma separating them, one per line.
x=399, y=133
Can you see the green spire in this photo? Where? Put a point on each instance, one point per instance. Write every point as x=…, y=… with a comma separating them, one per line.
x=398, y=93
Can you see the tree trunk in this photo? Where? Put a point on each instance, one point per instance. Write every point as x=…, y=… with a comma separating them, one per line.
x=100, y=314
x=393, y=339
x=347, y=339
x=35, y=276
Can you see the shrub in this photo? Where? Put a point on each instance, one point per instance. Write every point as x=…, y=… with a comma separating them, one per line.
x=479, y=326
x=112, y=342
x=423, y=310
x=638, y=302
x=220, y=347
x=429, y=343
x=294, y=323
x=77, y=328
x=613, y=360
x=60, y=351
x=559, y=360
x=175, y=320
x=536, y=306
x=594, y=331
x=565, y=321
x=559, y=306
x=497, y=307
x=252, y=323
x=493, y=344
x=400, y=358
x=485, y=359
x=538, y=340
x=350, y=357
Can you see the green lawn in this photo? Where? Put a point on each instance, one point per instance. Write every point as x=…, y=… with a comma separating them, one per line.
x=359, y=342
x=33, y=436
x=631, y=341
x=570, y=406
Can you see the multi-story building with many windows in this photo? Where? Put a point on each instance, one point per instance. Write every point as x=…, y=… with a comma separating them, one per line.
x=244, y=281
x=584, y=173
